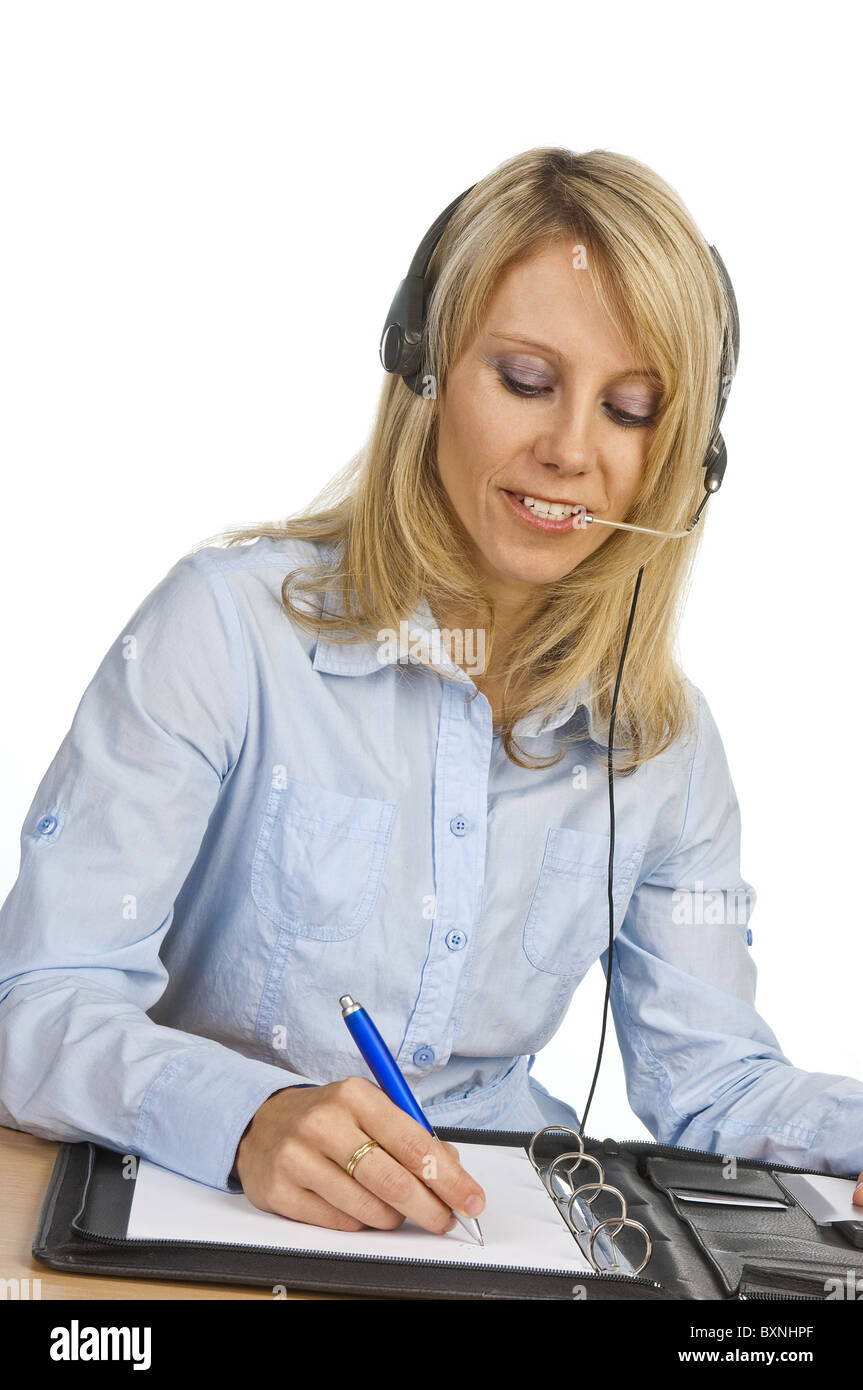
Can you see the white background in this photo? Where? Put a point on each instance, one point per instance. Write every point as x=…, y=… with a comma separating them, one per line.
x=207, y=209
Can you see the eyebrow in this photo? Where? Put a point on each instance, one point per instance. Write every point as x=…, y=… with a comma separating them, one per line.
x=553, y=352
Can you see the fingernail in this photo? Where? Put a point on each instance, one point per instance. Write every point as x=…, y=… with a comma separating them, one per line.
x=474, y=1204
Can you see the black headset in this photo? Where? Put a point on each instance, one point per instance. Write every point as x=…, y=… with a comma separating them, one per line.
x=401, y=349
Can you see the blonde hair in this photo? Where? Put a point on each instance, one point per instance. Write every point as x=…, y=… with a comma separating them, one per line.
x=388, y=515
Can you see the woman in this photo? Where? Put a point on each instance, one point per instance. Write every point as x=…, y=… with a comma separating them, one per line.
x=364, y=752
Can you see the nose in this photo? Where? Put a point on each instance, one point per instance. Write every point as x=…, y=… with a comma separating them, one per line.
x=568, y=441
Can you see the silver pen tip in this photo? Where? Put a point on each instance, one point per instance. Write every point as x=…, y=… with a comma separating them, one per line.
x=475, y=1229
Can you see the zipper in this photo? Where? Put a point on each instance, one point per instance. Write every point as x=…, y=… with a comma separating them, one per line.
x=576, y=1275
x=758, y=1282
x=795, y=1297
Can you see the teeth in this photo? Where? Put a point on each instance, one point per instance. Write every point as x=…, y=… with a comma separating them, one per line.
x=555, y=511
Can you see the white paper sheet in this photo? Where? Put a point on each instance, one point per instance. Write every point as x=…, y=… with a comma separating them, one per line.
x=521, y=1226
x=826, y=1199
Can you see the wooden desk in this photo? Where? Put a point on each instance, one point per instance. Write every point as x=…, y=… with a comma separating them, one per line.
x=25, y=1169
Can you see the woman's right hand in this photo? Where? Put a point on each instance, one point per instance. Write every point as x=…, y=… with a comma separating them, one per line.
x=292, y=1159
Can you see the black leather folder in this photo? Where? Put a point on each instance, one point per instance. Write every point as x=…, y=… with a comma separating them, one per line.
x=700, y=1250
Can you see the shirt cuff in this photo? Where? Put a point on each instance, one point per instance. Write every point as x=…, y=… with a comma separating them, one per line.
x=196, y=1111
x=841, y=1137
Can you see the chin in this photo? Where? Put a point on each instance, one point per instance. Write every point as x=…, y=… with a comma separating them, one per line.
x=514, y=568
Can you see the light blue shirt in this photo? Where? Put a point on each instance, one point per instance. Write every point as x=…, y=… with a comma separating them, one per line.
x=246, y=821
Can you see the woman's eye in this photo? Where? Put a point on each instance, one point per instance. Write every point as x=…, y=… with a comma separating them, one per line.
x=627, y=421
x=521, y=388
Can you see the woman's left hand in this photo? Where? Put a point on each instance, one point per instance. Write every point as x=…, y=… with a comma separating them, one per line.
x=858, y=1194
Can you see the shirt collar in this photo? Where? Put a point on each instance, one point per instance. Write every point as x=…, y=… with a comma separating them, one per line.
x=363, y=658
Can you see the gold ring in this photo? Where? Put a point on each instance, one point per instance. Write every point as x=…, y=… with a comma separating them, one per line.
x=355, y=1158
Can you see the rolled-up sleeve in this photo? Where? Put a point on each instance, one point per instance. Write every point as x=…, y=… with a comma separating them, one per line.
x=703, y=1069
x=112, y=832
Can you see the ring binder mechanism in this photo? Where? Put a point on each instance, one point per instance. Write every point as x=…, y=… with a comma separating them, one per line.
x=571, y=1195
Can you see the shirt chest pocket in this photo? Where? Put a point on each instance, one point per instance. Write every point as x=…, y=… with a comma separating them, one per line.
x=319, y=859
x=567, y=923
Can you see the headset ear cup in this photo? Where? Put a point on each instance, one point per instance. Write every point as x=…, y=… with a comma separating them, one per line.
x=401, y=342
x=402, y=331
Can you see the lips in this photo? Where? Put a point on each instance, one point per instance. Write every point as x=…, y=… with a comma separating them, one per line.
x=564, y=523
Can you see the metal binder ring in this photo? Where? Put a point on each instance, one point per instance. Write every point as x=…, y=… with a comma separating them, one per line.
x=600, y=1187
x=627, y=1221
x=548, y=1176
x=556, y=1129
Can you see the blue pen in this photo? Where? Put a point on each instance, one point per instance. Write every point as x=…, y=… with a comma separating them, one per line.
x=382, y=1065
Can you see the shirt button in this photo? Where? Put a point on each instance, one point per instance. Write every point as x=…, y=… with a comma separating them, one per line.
x=423, y=1056
x=458, y=825
x=456, y=939
x=46, y=825
x=748, y=936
